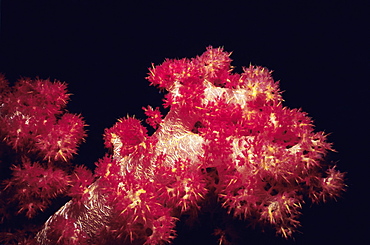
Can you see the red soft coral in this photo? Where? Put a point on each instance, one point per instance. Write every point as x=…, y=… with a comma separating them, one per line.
x=227, y=137
x=213, y=62
x=34, y=186
x=32, y=122
x=128, y=131
x=182, y=185
x=81, y=179
x=154, y=116
x=65, y=231
x=60, y=141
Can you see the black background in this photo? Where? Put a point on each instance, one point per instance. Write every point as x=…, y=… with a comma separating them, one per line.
x=102, y=49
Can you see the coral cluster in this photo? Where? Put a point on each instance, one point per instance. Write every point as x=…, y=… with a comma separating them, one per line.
x=226, y=135
x=37, y=140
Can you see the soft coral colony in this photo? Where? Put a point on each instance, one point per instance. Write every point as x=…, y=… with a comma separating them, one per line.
x=226, y=135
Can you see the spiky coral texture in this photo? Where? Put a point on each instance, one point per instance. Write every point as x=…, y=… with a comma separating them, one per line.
x=226, y=134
